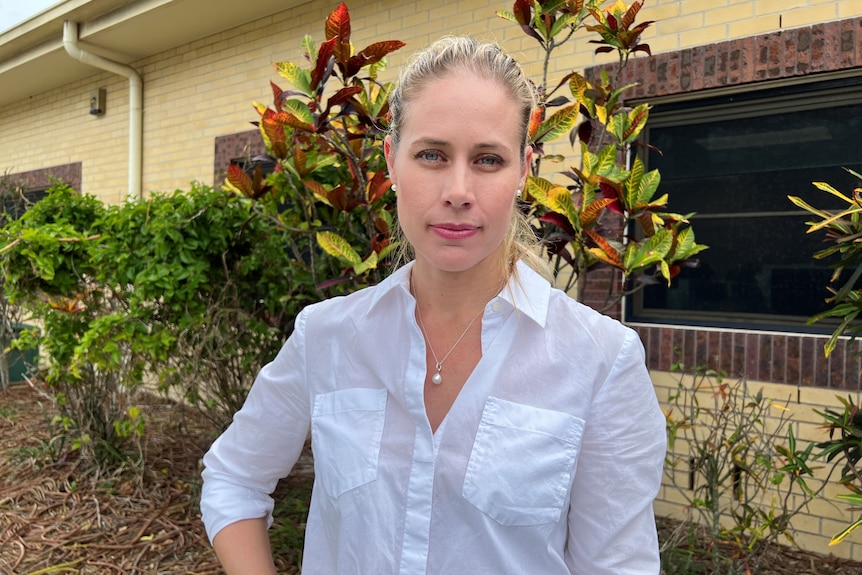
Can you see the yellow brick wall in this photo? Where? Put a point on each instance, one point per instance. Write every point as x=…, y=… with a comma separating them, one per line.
x=824, y=516
x=196, y=92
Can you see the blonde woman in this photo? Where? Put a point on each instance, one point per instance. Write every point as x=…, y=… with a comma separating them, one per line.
x=465, y=416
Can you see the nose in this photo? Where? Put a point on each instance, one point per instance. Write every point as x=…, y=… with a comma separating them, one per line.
x=458, y=191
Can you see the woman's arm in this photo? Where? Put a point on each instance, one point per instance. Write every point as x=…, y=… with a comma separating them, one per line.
x=243, y=548
x=243, y=466
x=612, y=529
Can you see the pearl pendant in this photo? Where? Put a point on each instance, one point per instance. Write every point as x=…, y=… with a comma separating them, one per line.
x=437, y=379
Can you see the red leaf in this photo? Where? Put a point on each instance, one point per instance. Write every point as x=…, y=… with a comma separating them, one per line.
x=560, y=221
x=371, y=55
x=613, y=256
x=288, y=119
x=383, y=227
x=378, y=244
x=592, y=212
x=377, y=187
x=240, y=180
x=612, y=22
x=522, y=11
x=324, y=57
x=585, y=131
x=316, y=187
x=337, y=196
x=631, y=13
x=535, y=121
x=642, y=48
x=338, y=26
x=610, y=191
x=342, y=96
x=276, y=95
x=275, y=133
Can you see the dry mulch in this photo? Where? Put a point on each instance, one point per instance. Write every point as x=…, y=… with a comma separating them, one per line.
x=57, y=517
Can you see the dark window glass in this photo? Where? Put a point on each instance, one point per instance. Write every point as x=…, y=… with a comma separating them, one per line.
x=14, y=202
x=734, y=160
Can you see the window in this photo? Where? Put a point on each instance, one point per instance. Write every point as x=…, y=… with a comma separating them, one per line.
x=733, y=159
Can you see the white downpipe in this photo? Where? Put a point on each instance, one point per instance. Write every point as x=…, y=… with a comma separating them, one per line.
x=136, y=101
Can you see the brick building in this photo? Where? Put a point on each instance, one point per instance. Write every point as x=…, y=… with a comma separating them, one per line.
x=756, y=97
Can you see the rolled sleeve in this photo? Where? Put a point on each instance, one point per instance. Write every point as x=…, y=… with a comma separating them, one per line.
x=611, y=521
x=264, y=441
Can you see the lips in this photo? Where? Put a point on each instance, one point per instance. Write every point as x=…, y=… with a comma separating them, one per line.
x=452, y=231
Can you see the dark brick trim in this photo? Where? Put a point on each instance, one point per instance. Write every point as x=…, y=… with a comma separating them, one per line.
x=232, y=146
x=792, y=359
x=828, y=47
x=40, y=179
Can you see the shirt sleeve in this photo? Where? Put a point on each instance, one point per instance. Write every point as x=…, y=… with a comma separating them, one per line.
x=261, y=445
x=612, y=526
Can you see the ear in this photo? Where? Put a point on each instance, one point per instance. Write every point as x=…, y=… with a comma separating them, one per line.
x=525, y=168
x=389, y=154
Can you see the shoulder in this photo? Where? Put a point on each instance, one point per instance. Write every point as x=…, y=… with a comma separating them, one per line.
x=354, y=308
x=566, y=313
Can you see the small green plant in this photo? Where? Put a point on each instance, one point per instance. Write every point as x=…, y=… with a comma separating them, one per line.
x=734, y=458
x=49, y=448
x=845, y=447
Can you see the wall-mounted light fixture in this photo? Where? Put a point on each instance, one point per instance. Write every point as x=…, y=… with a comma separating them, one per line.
x=97, y=102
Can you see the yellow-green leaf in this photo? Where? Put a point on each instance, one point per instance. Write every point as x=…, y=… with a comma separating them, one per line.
x=299, y=110
x=338, y=247
x=558, y=124
x=538, y=188
x=369, y=263
x=301, y=79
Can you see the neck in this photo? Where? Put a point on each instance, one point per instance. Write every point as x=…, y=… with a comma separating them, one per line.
x=450, y=296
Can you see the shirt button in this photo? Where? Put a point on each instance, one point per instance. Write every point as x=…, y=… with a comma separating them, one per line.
x=496, y=306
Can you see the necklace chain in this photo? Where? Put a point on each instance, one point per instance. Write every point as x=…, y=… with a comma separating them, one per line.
x=437, y=379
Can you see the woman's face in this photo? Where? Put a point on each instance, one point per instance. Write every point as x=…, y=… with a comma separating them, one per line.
x=457, y=168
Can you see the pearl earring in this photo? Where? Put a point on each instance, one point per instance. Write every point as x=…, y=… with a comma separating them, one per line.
x=518, y=192
x=394, y=188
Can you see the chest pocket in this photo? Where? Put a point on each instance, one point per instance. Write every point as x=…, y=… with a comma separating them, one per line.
x=522, y=463
x=346, y=429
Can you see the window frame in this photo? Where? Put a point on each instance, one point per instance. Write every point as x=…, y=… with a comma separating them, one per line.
x=731, y=103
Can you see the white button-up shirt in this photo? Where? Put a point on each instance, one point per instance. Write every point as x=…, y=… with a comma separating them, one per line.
x=547, y=462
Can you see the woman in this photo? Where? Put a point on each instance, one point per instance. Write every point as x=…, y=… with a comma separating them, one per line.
x=465, y=417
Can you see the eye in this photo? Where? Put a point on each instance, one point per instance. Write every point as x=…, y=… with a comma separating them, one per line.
x=489, y=161
x=429, y=156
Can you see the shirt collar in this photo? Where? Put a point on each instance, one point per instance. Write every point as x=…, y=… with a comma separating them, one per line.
x=527, y=291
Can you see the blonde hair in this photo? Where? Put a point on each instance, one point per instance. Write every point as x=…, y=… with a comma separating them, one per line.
x=487, y=61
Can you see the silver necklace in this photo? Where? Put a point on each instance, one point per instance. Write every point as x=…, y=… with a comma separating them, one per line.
x=437, y=379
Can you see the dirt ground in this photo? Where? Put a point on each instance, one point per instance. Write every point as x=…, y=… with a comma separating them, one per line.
x=55, y=518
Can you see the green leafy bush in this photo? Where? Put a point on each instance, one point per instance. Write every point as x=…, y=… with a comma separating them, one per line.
x=192, y=291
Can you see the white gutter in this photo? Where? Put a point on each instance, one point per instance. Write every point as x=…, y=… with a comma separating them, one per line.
x=136, y=101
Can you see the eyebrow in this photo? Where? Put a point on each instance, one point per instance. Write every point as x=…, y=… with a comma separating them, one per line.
x=444, y=143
